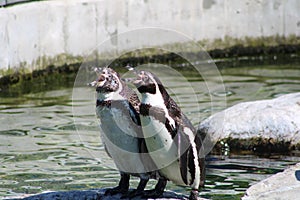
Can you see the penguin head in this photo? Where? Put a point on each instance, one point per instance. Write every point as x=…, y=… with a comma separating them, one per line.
x=146, y=82
x=107, y=81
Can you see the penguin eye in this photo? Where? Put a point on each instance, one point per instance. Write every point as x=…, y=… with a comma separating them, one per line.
x=146, y=78
x=114, y=82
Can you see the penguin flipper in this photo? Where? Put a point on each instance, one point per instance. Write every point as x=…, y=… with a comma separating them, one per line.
x=183, y=146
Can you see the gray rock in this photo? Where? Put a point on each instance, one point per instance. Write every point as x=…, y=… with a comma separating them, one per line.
x=277, y=119
x=284, y=185
x=91, y=195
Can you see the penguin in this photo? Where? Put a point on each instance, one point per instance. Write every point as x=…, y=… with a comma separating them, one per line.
x=170, y=137
x=117, y=107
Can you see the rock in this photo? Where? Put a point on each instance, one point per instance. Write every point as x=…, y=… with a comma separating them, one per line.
x=284, y=185
x=258, y=125
x=91, y=195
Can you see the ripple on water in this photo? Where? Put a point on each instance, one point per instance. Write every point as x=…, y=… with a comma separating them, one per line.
x=223, y=93
x=44, y=128
x=14, y=132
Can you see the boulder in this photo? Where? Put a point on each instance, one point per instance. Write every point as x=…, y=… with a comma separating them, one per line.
x=258, y=125
x=284, y=185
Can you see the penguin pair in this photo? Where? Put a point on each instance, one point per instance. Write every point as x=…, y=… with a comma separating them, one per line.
x=117, y=107
x=148, y=138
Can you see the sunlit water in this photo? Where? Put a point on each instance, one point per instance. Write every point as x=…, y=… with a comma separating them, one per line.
x=42, y=148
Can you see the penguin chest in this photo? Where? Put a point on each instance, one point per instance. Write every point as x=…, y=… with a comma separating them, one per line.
x=162, y=148
x=155, y=133
x=117, y=129
x=118, y=138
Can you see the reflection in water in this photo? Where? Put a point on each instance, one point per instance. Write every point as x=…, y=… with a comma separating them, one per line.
x=43, y=147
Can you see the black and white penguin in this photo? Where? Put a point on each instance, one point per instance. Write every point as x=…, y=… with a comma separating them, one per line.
x=170, y=137
x=117, y=107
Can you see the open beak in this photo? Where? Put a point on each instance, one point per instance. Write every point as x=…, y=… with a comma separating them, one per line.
x=99, y=82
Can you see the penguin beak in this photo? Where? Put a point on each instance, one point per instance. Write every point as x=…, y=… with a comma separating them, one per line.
x=139, y=81
x=99, y=82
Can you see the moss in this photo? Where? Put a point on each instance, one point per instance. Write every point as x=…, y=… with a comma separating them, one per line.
x=261, y=146
x=264, y=41
x=226, y=52
x=39, y=80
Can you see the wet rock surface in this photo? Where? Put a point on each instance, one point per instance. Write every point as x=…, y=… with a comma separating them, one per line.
x=265, y=125
x=95, y=194
x=284, y=185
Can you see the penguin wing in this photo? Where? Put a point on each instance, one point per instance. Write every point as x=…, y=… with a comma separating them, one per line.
x=134, y=106
x=180, y=138
x=134, y=115
x=132, y=97
x=174, y=110
x=183, y=146
x=106, y=150
x=187, y=160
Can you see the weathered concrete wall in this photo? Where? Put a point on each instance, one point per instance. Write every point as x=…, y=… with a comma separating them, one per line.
x=32, y=33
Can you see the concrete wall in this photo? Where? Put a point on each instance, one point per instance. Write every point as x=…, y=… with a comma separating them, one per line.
x=36, y=33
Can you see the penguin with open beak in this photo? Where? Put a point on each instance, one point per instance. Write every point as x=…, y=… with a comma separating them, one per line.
x=170, y=137
x=117, y=107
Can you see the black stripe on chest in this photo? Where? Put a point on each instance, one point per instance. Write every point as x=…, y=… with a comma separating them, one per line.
x=119, y=104
x=160, y=115
x=102, y=103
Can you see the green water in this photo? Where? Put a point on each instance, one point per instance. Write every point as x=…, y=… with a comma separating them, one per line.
x=50, y=140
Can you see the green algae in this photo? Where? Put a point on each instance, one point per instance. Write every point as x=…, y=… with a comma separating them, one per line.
x=225, y=52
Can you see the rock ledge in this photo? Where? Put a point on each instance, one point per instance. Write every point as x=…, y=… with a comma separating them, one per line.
x=284, y=185
x=94, y=194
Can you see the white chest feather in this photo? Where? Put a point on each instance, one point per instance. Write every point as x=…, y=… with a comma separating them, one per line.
x=109, y=96
x=156, y=100
x=118, y=137
x=124, y=121
x=153, y=99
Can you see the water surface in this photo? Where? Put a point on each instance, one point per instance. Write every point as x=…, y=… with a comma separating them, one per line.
x=49, y=140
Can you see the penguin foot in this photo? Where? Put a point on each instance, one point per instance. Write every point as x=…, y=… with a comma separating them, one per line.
x=115, y=190
x=122, y=187
x=158, y=191
x=193, y=195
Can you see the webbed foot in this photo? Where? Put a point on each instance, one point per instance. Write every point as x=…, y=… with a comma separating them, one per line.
x=158, y=191
x=121, y=188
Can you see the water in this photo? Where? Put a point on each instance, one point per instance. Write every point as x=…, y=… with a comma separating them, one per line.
x=42, y=148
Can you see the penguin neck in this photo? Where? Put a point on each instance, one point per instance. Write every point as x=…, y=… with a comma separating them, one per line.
x=152, y=99
x=158, y=99
x=110, y=96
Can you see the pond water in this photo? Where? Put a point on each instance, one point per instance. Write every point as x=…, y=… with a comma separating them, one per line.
x=49, y=140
